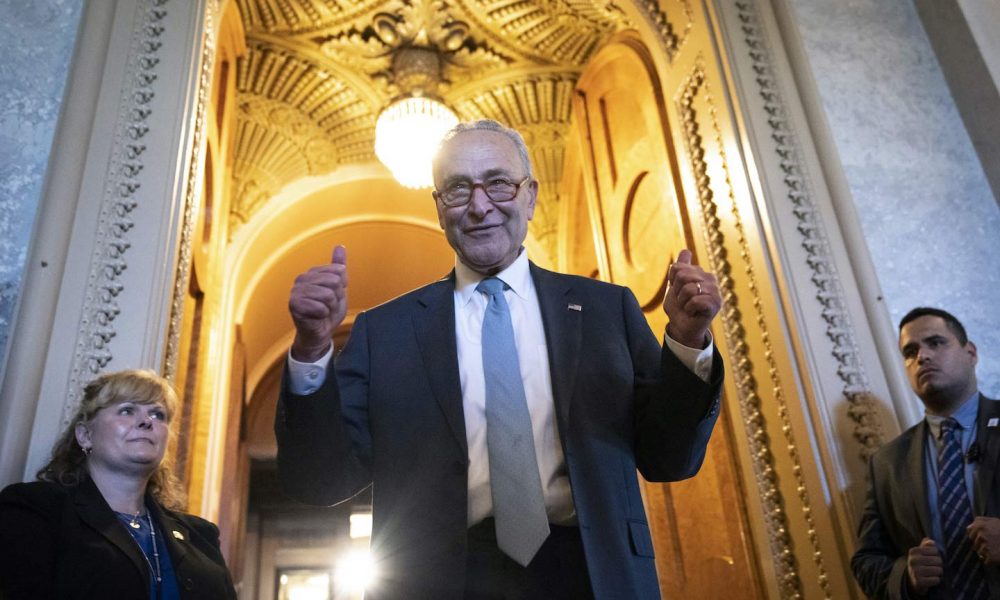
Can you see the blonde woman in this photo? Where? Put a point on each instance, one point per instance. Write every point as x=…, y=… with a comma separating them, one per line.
x=101, y=520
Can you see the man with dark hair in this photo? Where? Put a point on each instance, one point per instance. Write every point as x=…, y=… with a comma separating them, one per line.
x=931, y=521
x=950, y=321
x=499, y=414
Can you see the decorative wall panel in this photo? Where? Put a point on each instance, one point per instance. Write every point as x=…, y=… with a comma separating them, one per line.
x=813, y=238
x=93, y=347
x=697, y=108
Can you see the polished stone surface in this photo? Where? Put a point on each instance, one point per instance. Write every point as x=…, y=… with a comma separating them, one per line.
x=927, y=212
x=36, y=42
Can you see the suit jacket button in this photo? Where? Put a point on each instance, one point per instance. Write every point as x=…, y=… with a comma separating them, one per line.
x=188, y=584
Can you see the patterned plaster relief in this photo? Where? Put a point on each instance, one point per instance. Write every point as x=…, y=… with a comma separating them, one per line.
x=123, y=181
x=318, y=74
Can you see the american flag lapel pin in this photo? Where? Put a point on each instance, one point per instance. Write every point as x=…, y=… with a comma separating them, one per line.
x=575, y=307
x=993, y=422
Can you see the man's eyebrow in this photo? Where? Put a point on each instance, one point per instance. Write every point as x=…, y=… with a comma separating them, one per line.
x=485, y=175
x=494, y=172
x=934, y=337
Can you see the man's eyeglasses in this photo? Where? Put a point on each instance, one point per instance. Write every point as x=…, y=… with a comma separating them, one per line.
x=497, y=189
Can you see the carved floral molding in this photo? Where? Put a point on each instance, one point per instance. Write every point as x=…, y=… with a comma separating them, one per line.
x=93, y=347
x=862, y=409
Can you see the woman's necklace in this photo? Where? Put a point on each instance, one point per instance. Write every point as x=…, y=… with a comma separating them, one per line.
x=156, y=551
x=135, y=522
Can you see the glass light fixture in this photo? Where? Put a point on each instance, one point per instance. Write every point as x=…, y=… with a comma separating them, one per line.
x=407, y=133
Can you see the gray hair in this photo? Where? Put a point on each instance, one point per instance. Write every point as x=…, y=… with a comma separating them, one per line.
x=488, y=125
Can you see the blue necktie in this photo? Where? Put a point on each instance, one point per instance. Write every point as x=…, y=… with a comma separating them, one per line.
x=518, y=504
x=963, y=570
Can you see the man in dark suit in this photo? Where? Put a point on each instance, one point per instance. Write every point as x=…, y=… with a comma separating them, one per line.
x=931, y=521
x=499, y=414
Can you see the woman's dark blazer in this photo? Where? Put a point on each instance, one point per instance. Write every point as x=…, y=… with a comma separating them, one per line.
x=65, y=542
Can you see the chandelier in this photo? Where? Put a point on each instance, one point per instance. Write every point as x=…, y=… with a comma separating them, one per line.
x=422, y=40
x=409, y=129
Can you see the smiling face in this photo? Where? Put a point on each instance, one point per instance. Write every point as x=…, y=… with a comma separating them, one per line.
x=941, y=370
x=485, y=235
x=125, y=437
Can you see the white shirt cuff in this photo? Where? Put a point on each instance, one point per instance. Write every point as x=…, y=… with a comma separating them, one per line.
x=698, y=361
x=305, y=378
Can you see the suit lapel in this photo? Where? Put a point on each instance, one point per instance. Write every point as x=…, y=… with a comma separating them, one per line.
x=176, y=535
x=94, y=511
x=562, y=307
x=988, y=440
x=434, y=324
x=916, y=471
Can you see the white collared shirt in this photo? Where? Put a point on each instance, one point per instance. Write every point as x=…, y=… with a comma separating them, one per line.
x=533, y=359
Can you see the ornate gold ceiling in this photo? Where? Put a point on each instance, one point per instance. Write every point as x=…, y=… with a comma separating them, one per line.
x=317, y=73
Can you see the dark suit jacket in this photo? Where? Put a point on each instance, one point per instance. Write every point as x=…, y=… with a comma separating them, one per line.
x=66, y=542
x=897, y=513
x=390, y=415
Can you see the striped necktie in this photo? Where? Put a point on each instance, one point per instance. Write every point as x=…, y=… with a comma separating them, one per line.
x=518, y=503
x=963, y=571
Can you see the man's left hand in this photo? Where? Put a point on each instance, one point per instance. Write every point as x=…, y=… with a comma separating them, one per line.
x=985, y=536
x=691, y=302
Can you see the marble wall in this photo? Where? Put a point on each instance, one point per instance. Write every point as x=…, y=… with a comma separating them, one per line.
x=925, y=206
x=36, y=43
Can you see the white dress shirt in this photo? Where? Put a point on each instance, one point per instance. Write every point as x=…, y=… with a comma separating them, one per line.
x=533, y=358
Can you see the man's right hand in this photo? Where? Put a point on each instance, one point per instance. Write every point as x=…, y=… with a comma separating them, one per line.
x=318, y=304
x=924, y=567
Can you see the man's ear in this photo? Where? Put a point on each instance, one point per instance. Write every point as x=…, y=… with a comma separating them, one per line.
x=440, y=207
x=971, y=349
x=532, y=197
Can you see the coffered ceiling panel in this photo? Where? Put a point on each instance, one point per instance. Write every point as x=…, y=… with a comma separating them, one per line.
x=318, y=72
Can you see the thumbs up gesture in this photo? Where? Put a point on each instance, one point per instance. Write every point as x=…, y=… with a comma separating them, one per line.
x=691, y=302
x=318, y=305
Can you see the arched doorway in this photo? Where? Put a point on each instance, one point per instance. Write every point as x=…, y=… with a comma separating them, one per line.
x=602, y=213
